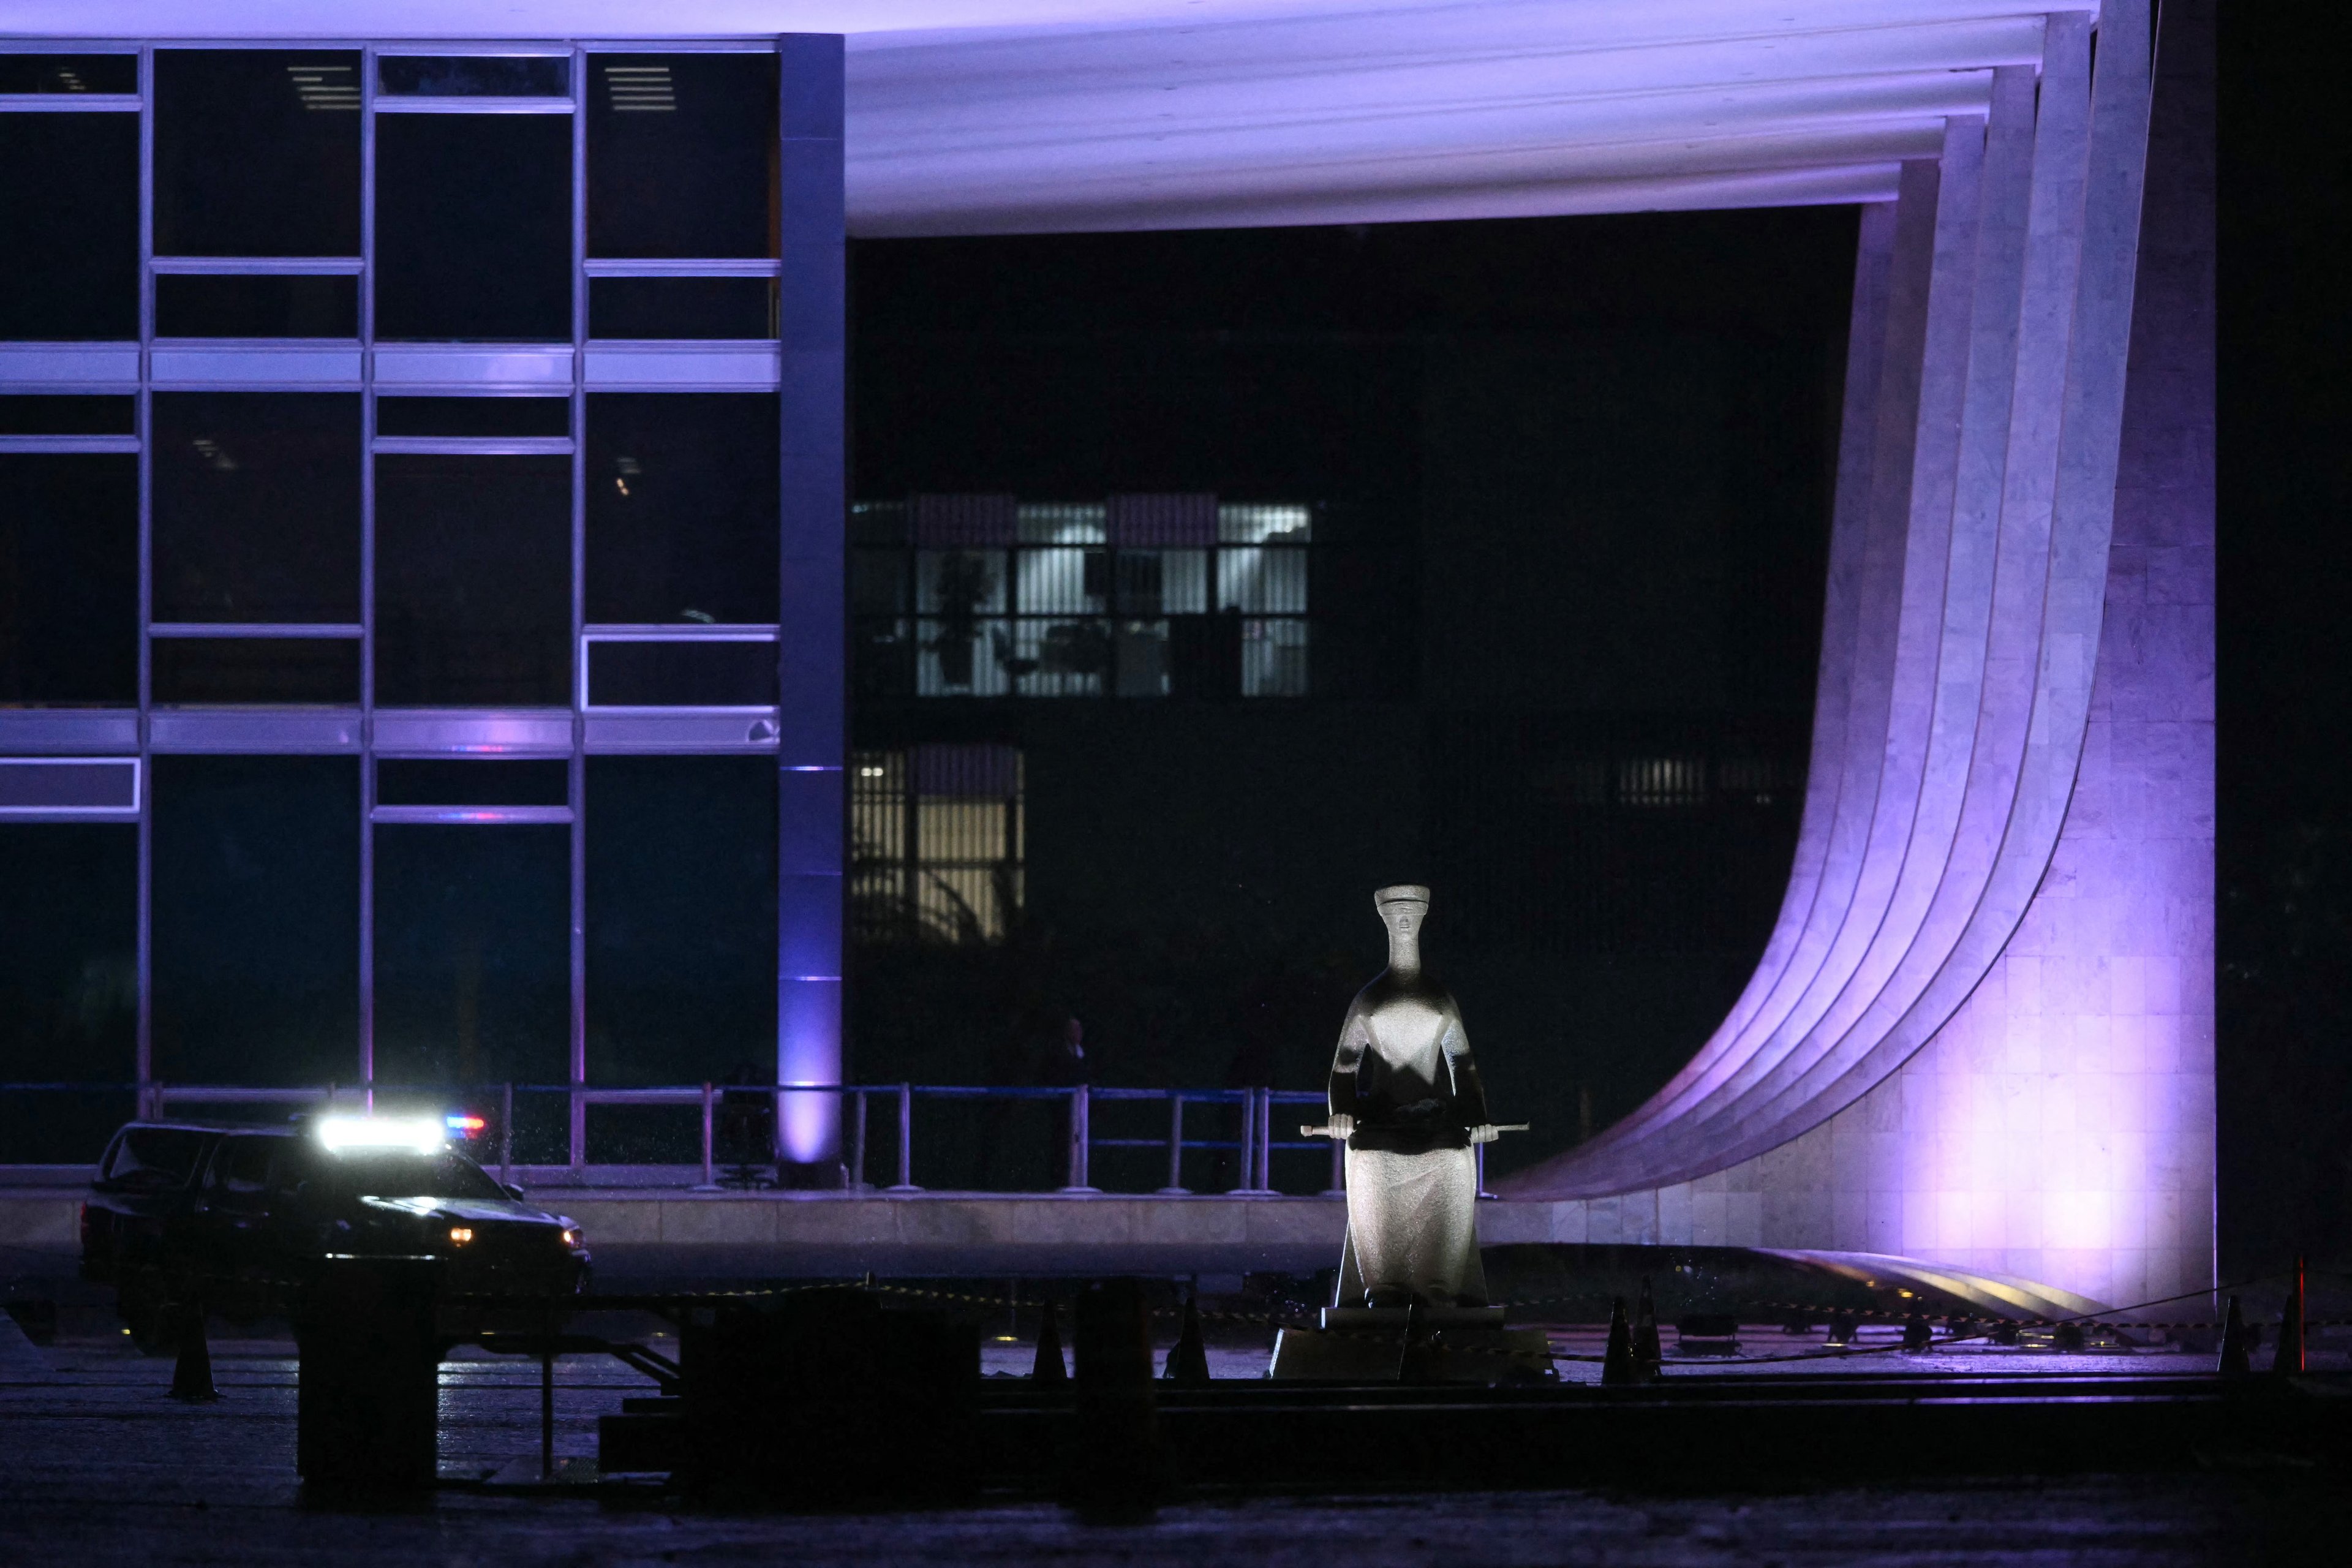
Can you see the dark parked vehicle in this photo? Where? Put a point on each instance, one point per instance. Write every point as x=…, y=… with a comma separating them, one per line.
x=146, y=1180
x=258, y=1204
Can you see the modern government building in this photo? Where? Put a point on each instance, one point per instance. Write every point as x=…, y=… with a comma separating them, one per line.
x=421, y=471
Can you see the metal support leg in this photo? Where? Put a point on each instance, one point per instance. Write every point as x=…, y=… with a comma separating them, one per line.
x=1248, y=1142
x=1175, y=1188
x=547, y=1395
x=1339, y=1187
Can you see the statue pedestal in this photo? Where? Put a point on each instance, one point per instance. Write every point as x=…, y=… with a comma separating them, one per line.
x=1419, y=1344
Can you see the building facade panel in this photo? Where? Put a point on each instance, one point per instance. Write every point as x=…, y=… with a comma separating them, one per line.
x=353, y=339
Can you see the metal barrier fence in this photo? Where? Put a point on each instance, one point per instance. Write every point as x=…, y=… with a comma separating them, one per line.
x=1254, y=1144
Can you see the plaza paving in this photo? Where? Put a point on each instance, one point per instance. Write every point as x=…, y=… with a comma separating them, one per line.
x=97, y=1466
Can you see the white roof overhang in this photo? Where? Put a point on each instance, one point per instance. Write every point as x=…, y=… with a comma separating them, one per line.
x=1023, y=116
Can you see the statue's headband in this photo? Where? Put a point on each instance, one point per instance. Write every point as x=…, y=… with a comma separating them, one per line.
x=1404, y=893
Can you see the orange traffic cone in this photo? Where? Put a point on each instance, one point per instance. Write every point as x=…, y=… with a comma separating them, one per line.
x=1049, y=1367
x=1649, y=1358
x=2234, y=1361
x=192, y=1374
x=2289, y=1356
x=1187, y=1358
x=1618, y=1367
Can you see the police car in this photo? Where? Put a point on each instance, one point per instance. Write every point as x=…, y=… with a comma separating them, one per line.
x=232, y=1214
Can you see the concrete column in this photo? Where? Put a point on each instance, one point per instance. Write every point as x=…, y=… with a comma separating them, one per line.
x=813, y=651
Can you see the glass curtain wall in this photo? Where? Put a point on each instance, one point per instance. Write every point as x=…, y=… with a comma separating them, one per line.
x=385, y=429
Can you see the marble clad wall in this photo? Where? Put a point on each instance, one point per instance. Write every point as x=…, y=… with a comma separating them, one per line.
x=1983, y=1034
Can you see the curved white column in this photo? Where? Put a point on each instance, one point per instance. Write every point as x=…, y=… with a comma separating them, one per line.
x=1970, y=575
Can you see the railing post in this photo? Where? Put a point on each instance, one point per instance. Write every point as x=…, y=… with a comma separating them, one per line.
x=1339, y=1187
x=505, y=1132
x=1266, y=1140
x=906, y=1183
x=1079, y=1140
x=1248, y=1139
x=579, y=1131
x=1175, y=1188
x=857, y=1145
x=709, y=1175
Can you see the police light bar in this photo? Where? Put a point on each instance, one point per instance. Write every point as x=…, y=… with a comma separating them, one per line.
x=464, y=1126
x=417, y=1135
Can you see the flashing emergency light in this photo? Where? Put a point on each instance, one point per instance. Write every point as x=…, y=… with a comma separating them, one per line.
x=417, y=1135
x=463, y=1125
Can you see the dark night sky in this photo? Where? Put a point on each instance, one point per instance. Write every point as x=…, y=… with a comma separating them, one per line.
x=2285, y=690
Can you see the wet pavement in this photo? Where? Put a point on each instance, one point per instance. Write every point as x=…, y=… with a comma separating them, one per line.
x=97, y=1466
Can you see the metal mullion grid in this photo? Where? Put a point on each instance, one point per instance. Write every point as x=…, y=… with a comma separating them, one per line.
x=576, y=769
x=259, y=266
x=143, y=1037
x=367, y=574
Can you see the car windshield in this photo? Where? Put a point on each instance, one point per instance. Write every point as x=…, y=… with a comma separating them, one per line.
x=398, y=1173
x=154, y=1157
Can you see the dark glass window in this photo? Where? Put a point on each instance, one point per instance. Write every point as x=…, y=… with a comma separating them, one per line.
x=230, y=670
x=255, y=900
x=68, y=984
x=683, y=502
x=681, y=918
x=68, y=579
x=474, y=76
x=474, y=227
x=257, y=306
x=69, y=73
x=682, y=155
x=55, y=783
x=682, y=307
x=67, y=415
x=471, y=781
x=257, y=153
x=69, y=188
x=473, y=416
x=257, y=506
x=473, y=956
x=682, y=674
x=472, y=581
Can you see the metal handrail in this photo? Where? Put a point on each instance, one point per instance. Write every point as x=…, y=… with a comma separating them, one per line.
x=1256, y=1142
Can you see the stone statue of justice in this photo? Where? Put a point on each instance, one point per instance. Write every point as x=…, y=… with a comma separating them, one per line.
x=1405, y=1095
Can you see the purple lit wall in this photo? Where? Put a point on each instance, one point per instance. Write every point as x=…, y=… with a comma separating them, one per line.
x=1981, y=1033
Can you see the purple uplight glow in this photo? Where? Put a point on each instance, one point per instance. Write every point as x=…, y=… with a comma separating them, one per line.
x=808, y=1051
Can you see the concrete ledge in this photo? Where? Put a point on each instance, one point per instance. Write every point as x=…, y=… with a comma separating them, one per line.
x=648, y=1235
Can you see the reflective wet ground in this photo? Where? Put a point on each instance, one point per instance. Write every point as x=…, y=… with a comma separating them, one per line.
x=98, y=1467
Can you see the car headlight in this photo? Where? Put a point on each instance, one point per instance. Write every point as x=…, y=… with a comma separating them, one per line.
x=459, y=1235
x=570, y=1237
